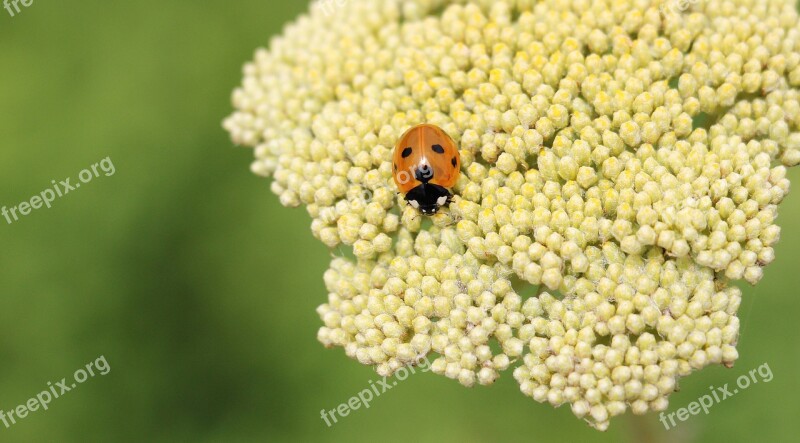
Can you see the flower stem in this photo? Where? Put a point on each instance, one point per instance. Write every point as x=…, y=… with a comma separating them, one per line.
x=643, y=430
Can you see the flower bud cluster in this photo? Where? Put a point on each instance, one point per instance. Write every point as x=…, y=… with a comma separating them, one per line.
x=625, y=157
x=432, y=297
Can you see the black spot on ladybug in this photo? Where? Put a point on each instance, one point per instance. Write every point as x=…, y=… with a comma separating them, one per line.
x=406, y=152
x=438, y=149
x=395, y=166
x=454, y=162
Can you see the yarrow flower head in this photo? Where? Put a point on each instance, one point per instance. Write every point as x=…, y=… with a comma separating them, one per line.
x=624, y=157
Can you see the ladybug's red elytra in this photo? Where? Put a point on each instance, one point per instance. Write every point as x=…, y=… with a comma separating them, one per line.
x=425, y=165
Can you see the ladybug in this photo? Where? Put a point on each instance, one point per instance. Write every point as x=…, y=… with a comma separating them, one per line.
x=425, y=165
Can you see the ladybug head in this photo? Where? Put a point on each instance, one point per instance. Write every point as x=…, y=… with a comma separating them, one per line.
x=428, y=198
x=429, y=210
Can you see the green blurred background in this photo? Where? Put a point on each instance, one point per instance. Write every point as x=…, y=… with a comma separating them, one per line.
x=200, y=290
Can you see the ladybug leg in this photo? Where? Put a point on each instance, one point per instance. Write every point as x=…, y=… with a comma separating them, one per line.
x=408, y=203
x=453, y=220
